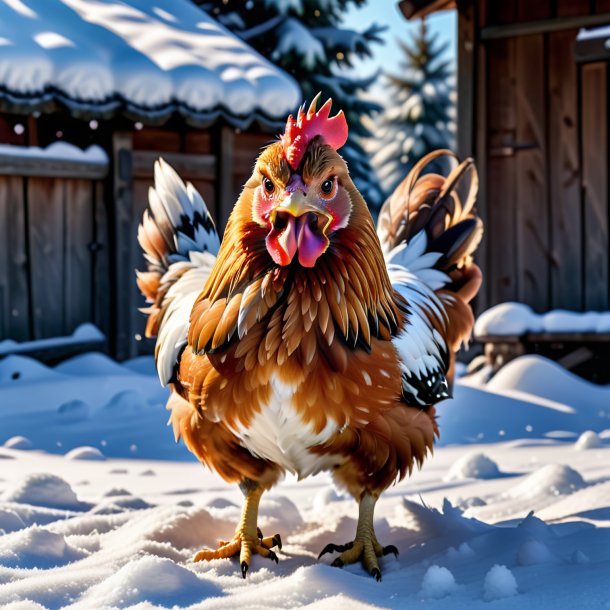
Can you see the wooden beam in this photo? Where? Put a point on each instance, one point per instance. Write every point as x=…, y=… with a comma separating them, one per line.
x=121, y=244
x=226, y=192
x=542, y=26
x=43, y=167
x=467, y=73
x=189, y=166
x=594, y=134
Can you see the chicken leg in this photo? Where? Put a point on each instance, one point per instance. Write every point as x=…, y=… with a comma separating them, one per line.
x=248, y=539
x=365, y=546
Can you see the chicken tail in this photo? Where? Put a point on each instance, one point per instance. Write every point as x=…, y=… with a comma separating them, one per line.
x=180, y=243
x=429, y=228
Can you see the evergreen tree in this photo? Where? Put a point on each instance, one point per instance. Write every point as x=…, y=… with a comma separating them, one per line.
x=419, y=116
x=305, y=39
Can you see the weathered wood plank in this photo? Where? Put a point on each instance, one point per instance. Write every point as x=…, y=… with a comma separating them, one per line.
x=78, y=231
x=466, y=82
x=564, y=174
x=123, y=251
x=502, y=277
x=45, y=204
x=225, y=186
x=531, y=201
x=501, y=13
x=570, y=8
x=594, y=121
x=11, y=165
x=14, y=295
x=531, y=11
x=101, y=261
x=189, y=166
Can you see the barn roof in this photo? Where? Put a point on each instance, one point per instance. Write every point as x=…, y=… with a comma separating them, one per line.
x=144, y=58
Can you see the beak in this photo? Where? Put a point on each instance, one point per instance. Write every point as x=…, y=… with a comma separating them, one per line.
x=297, y=225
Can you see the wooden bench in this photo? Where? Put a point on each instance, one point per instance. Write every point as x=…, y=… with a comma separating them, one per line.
x=584, y=354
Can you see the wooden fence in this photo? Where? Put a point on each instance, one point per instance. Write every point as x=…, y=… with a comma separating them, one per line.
x=54, y=252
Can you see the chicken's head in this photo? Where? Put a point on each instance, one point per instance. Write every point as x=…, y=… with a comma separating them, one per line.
x=303, y=193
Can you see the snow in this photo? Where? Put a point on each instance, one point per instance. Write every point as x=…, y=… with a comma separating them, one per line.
x=58, y=151
x=149, y=59
x=18, y=442
x=473, y=466
x=519, y=319
x=85, y=453
x=588, y=440
x=438, y=582
x=523, y=514
x=84, y=333
x=499, y=583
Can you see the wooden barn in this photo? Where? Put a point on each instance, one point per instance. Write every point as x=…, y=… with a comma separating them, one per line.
x=90, y=95
x=533, y=110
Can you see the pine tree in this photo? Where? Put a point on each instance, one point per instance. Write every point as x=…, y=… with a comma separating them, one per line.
x=419, y=117
x=305, y=38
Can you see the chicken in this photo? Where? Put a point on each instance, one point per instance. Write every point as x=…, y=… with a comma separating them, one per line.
x=307, y=340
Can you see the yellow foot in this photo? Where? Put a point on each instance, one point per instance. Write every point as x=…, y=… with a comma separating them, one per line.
x=365, y=550
x=245, y=545
x=365, y=547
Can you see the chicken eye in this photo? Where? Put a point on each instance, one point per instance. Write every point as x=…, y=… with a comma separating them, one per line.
x=328, y=188
x=268, y=185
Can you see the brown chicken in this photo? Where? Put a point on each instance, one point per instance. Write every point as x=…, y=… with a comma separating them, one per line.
x=308, y=340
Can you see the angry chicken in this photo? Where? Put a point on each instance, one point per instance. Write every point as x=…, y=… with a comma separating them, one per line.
x=308, y=340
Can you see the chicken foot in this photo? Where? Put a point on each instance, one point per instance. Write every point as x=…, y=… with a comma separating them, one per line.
x=248, y=538
x=365, y=547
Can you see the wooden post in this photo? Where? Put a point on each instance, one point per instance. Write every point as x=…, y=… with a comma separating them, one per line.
x=121, y=249
x=594, y=134
x=226, y=193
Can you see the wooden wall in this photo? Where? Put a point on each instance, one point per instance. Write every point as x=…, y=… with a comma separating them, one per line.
x=537, y=125
x=53, y=256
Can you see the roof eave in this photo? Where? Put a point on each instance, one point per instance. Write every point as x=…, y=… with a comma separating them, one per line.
x=416, y=9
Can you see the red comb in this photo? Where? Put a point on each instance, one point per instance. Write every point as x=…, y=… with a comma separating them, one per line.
x=298, y=134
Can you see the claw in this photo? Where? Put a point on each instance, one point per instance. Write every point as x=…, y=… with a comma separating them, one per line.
x=331, y=548
x=244, y=569
x=337, y=563
x=277, y=541
x=376, y=572
x=390, y=549
x=273, y=557
x=259, y=533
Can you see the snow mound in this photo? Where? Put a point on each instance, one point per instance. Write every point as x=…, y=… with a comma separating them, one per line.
x=25, y=604
x=473, y=466
x=533, y=552
x=19, y=442
x=544, y=378
x=20, y=369
x=43, y=490
x=154, y=580
x=326, y=496
x=37, y=547
x=507, y=319
x=438, y=582
x=72, y=412
x=550, y=480
x=86, y=453
x=499, y=583
x=10, y=521
x=92, y=363
x=588, y=440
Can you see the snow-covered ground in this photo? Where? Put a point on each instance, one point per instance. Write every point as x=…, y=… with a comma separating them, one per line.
x=99, y=509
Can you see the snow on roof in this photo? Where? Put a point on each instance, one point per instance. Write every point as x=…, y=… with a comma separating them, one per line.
x=145, y=58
